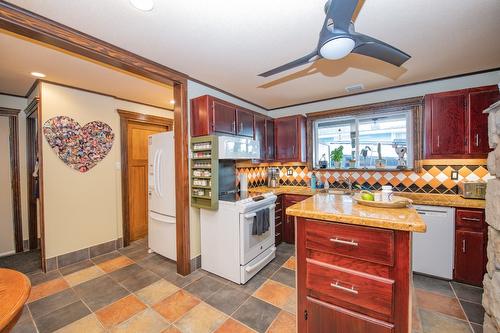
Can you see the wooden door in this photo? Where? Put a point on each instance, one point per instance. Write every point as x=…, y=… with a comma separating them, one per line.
x=469, y=257
x=286, y=138
x=445, y=124
x=260, y=135
x=269, y=139
x=479, y=100
x=244, y=123
x=137, y=152
x=224, y=117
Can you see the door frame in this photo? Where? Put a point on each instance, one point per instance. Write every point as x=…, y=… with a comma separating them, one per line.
x=127, y=117
x=31, y=125
x=15, y=179
x=28, y=24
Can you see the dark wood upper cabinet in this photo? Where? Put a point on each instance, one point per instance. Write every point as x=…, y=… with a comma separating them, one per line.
x=244, y=123
x=270, y=140
x=260, y=135
x=224, y=117
x=479, y=100
x=290, y=138
x=455, y=126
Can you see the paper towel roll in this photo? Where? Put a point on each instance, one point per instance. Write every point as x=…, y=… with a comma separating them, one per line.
x=243, y=182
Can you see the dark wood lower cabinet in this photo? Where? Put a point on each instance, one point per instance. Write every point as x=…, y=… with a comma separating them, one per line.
x=289, y=221
x=278, y=221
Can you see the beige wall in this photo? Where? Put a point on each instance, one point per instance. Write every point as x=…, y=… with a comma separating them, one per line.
x=83, y=209
x=6, y=226
x=19, y=103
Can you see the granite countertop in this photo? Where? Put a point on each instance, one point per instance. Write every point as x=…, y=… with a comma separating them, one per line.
x=341, y=208
x=447, y=200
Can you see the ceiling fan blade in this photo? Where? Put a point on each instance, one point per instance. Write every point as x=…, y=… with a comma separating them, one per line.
x=301, y=61
x=340, y=11
x=375, y=48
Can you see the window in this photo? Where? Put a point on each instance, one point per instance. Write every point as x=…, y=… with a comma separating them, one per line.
x=362, y=136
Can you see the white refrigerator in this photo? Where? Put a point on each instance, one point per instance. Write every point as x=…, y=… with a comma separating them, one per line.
x=161, y=195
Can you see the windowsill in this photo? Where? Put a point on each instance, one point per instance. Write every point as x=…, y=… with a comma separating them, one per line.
x=363, y=169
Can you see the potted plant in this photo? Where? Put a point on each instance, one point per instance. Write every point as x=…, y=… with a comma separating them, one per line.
x=336, y=156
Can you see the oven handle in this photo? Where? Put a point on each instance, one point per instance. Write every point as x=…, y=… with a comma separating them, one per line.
x=248, y=216
x=249, y=269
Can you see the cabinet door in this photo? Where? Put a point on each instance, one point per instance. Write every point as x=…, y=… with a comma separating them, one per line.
x=269, y=139
x=469, y=257
x=286, y=138
x=479, y=100
x=260, y=135
x=327, y=318
x=244, y=124
x=224, y=118
x=445, y=124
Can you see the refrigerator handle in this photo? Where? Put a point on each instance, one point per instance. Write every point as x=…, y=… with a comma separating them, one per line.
x=158, y=166
x=155, y=172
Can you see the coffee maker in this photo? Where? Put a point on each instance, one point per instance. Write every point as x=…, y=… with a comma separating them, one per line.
x=273, y=177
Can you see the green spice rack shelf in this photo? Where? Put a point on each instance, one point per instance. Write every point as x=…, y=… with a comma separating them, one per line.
x=204, y=172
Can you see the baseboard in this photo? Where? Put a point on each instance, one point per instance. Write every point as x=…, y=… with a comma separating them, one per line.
x=8, y=253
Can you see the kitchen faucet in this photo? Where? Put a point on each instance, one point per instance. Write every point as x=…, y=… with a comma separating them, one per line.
x=347, y=181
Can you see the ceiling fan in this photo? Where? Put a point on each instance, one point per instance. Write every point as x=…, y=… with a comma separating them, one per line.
x=337, y=39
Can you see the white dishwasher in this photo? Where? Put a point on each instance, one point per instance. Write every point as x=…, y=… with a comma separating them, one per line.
x=433, y=250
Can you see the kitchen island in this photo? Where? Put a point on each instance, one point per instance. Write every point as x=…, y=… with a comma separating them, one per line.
x=353, y=265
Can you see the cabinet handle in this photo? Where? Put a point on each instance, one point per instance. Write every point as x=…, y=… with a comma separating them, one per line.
x=477, y=140
x=464, y=248
x=234, y=126
x=241, y=127
x=473, y=219
x=341, y=241
x=349, y=290
x=438, y=141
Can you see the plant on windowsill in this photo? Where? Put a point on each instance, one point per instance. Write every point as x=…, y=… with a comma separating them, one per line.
x=336, y=156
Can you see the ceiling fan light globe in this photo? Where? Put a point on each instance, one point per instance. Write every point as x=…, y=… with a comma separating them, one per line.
x=337, y=48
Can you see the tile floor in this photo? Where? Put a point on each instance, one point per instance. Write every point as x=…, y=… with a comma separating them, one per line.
x=132, y=291
x=25, y=262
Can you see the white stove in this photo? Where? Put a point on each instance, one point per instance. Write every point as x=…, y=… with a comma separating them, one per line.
x=228, y=248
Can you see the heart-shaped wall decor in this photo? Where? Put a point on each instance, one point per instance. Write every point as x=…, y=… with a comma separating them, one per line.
x=79, y=147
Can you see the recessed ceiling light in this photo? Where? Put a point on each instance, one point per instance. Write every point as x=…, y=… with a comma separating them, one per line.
x=144, y=5
x=172, y=101
x=37, y=74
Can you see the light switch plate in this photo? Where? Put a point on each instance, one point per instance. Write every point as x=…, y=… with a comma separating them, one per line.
x=289, y=172
x=454, y=175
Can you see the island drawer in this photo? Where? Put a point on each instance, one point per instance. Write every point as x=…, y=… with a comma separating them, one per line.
x=357, y=291
x=365, y=243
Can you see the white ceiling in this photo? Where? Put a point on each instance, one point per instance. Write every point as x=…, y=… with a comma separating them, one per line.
x=19, y=57
x=227, y=43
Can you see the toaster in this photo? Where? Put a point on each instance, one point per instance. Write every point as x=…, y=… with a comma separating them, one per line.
x=472, y=189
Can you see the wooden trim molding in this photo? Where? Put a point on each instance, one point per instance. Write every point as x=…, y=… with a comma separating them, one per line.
x=415, y=104
x=125, y=118
x=36, y=27
x=15, y=178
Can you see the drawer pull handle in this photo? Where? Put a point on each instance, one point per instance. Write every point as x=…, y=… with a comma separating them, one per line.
x=341, y=241
x=474, y=219
x=349, y=290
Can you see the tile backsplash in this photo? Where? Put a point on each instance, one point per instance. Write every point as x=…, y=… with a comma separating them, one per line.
x=431, y=178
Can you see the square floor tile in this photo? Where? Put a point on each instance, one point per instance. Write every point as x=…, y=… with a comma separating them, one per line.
x=88, y=324
x=182, y=281
x=157, y=291
x=201, y=319
x=61, y=317
x=171, y=329
x=290, y=263
x=47, y=288
x=256, y=314
x=158, y=264
x=106, y=257
x=100, y=292
x=25, y=326
x=134, y=277
x=285, y=276
x=440, y=303
x=83, y=275
x=284, y=323
x=433, y=322
x=41, y=277
x=477, y=328
x=53, y=302
x=431, y=284
x=114, y=264
x=252, y=285
x=76, y=267
x=204, y=287
x=227, y=299
x=268, y=270
x=176, y=305
x=119, y=311
x=467, y=292
x=275, y=293
x=145, y=321
x=473, y=311
x=233, y=326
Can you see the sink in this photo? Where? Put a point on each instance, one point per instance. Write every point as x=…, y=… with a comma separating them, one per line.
x=340, y=192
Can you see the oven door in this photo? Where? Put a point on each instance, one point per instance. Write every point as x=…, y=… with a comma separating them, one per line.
x=253, y=245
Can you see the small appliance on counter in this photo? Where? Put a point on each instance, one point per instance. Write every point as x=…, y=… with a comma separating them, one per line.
x=472, y=189
x=273, y=177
